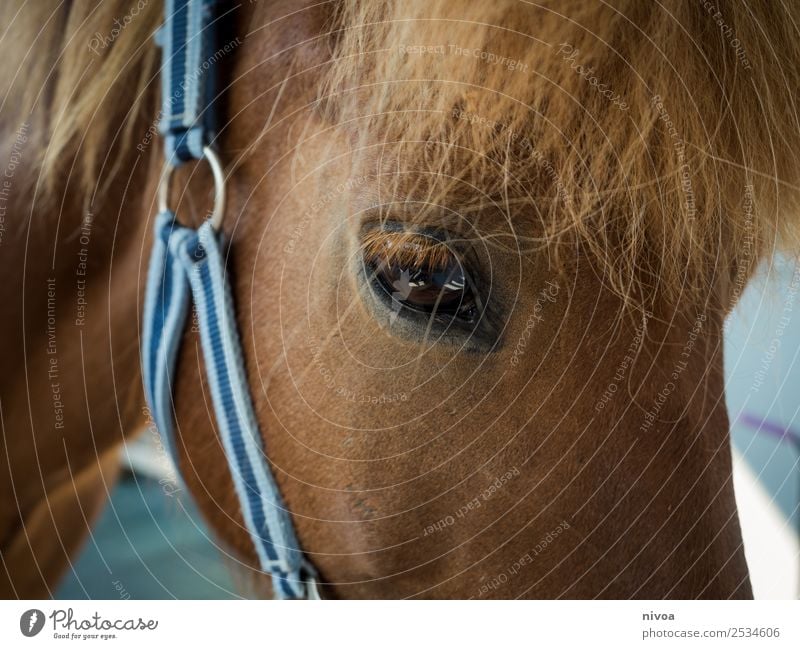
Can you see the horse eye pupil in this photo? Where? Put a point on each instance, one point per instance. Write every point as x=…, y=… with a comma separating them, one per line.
x=441, y=292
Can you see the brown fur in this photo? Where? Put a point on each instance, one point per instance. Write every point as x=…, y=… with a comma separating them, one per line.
x=572, y=206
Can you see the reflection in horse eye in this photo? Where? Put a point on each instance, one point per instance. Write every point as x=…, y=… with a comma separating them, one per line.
x=420, y=274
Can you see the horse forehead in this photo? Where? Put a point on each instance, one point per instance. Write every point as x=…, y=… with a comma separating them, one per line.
x=288, y=38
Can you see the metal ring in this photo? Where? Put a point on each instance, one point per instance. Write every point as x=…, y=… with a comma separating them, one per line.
x=219, y=187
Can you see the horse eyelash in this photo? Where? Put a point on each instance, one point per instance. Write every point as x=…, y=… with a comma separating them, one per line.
x=406, y=250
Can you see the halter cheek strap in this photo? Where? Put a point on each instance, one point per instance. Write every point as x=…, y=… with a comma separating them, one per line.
x=189, y=40
x=187, y=265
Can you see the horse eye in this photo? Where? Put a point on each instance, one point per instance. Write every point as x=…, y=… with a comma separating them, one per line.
x=434, y=284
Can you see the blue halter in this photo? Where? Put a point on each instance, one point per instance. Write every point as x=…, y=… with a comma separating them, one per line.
x=188, y=264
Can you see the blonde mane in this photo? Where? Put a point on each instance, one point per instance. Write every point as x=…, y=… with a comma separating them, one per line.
x=84, y=84
x=663, y=139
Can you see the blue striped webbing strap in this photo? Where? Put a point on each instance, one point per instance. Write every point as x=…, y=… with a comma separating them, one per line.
x=188, y=82
x=187, y=264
